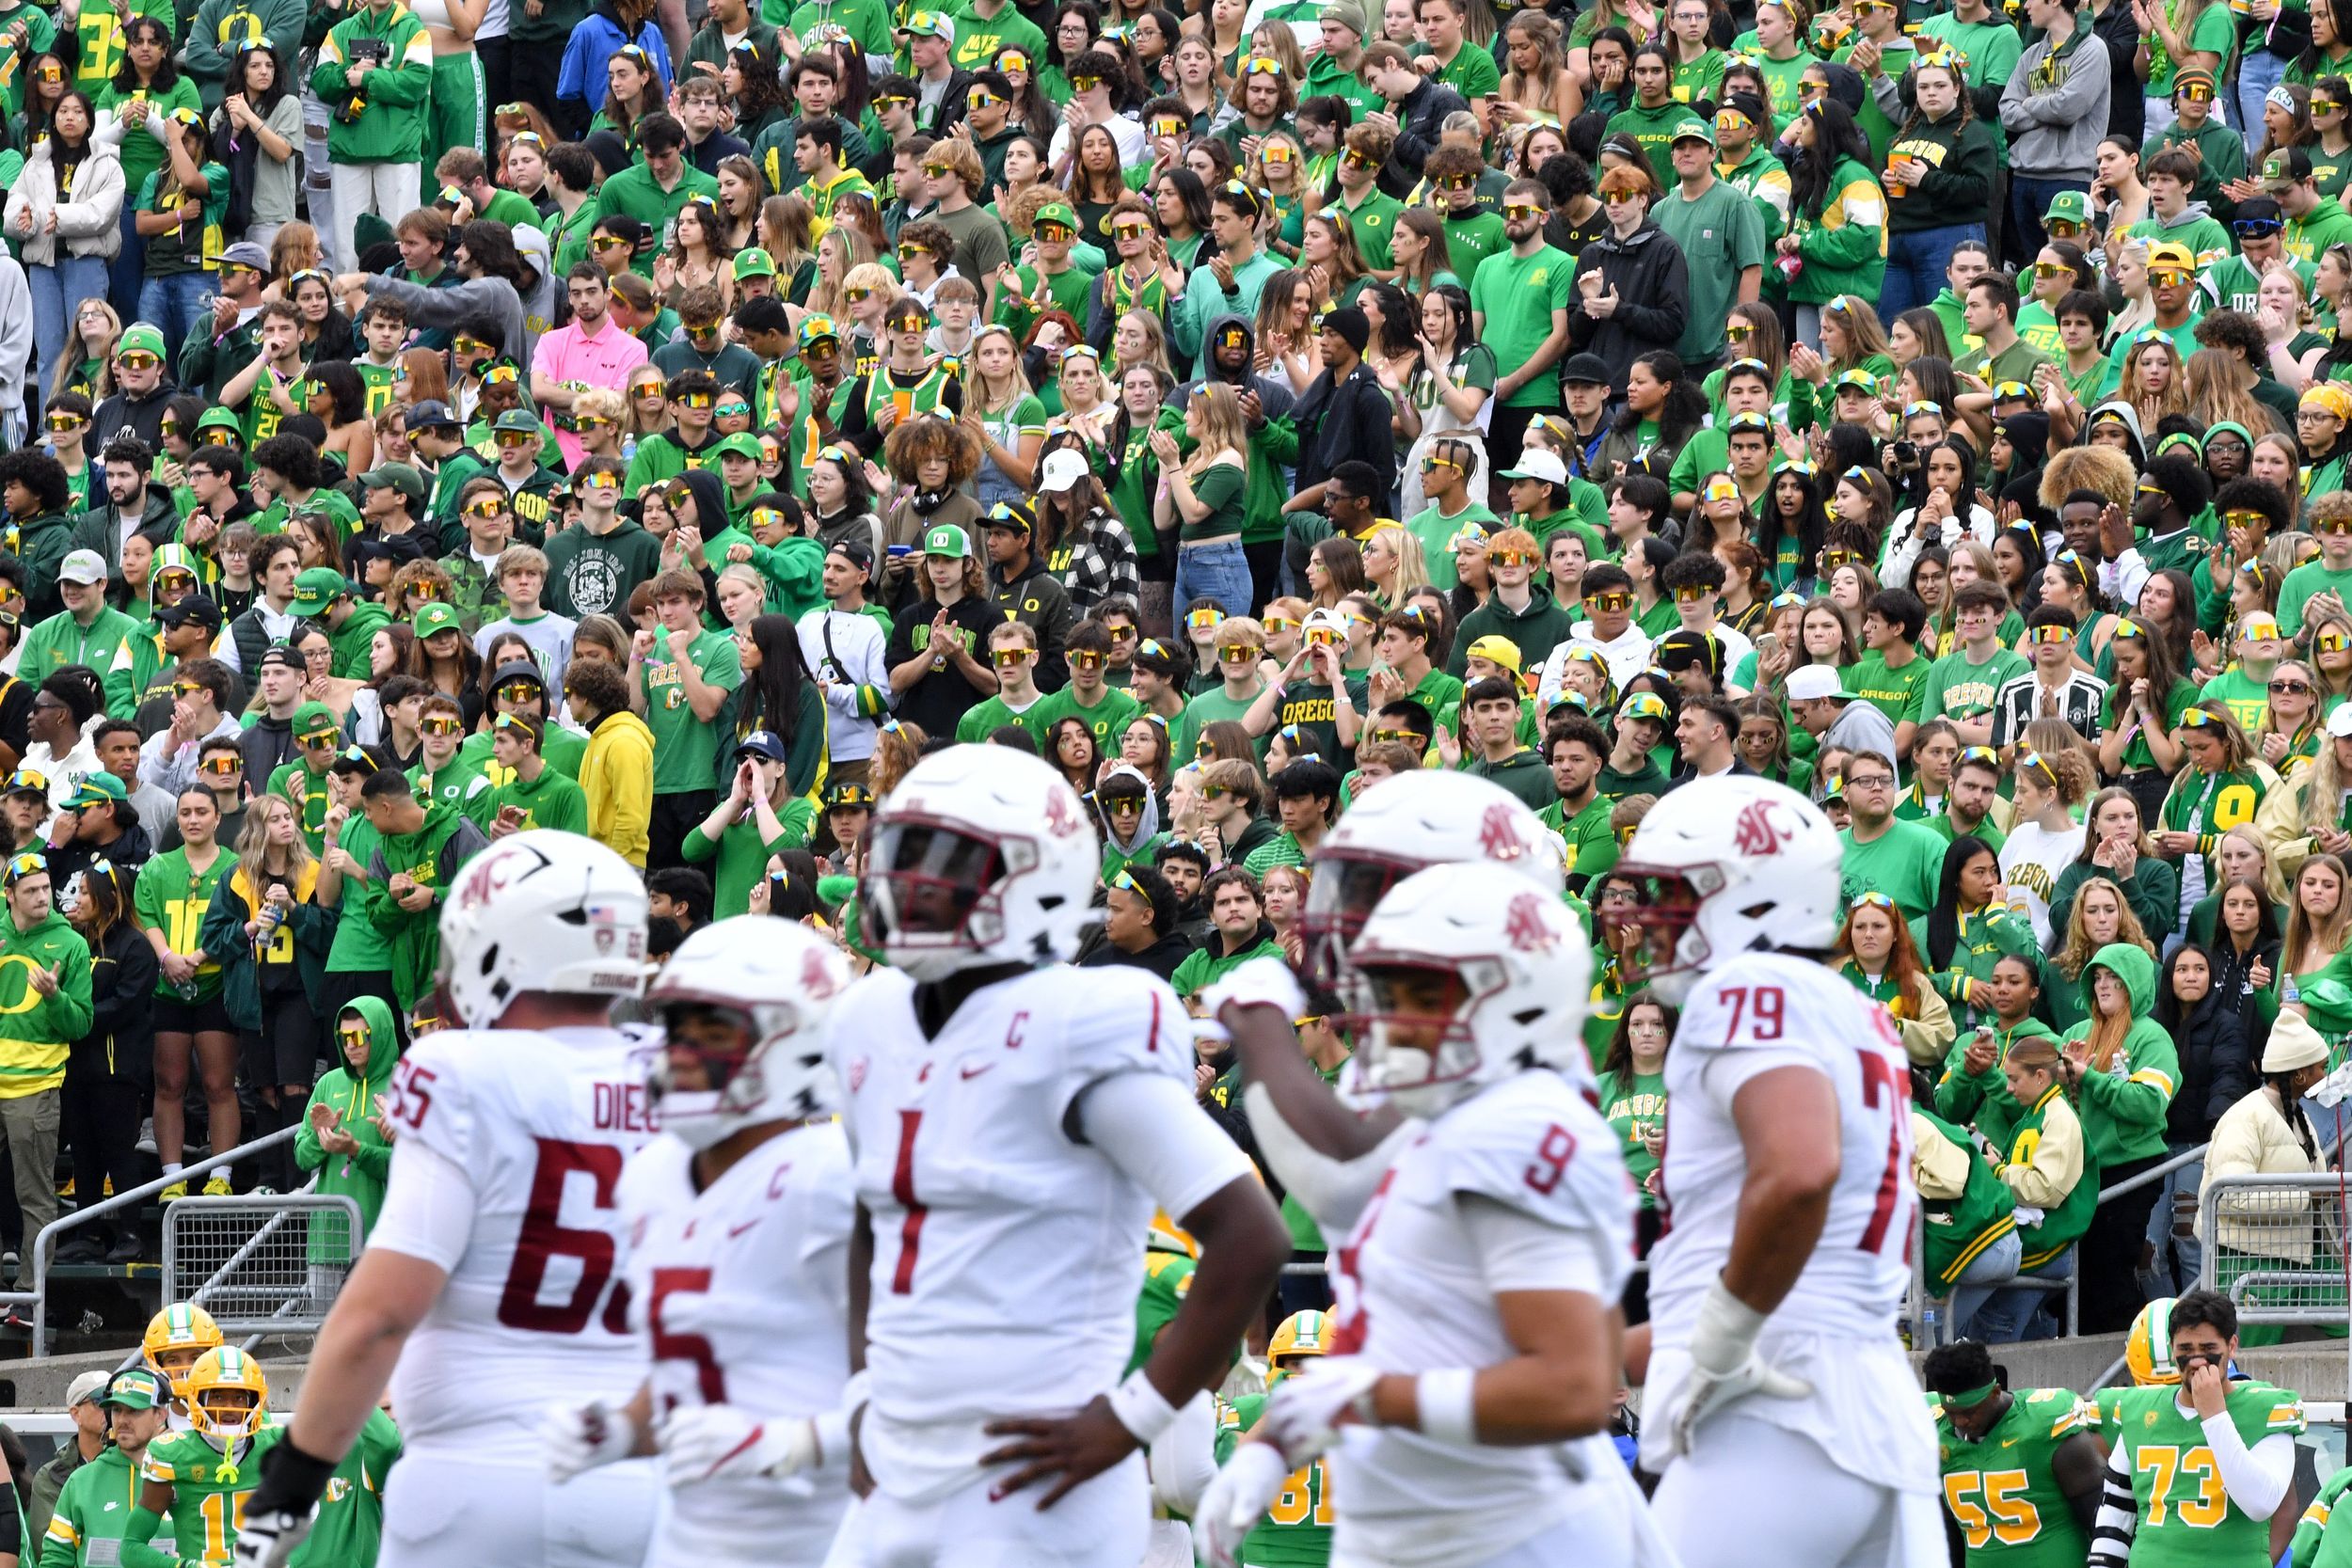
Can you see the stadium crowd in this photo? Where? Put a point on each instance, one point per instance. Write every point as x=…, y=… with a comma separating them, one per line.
x=670, y=423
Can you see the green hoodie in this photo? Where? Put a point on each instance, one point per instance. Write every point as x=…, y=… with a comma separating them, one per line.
x=38, y=1031
x=354, y=639
x=1534, y=631
x=40, y=543
x=96, y=1505
x=349, y=1525
x=2122, y=1107
x=431, y=857
x=130, y=677
x=1982, y=1099
x=355, y=1098
x=390, y=128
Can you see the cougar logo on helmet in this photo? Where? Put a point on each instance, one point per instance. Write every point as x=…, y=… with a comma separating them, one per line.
x=1525, y=929
x=1059, y=819
x=1499, y=835
x=1755, y=832
x=817, y=977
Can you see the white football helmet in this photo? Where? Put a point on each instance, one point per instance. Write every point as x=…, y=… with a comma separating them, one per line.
x=1735, y=865
x=780, y=979
x=982, y=855
x=541, y=911
x=1431, y=816
x=1521, y=960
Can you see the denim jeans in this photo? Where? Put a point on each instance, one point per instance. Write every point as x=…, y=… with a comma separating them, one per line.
x=2183, y=1182
x=172, y=304
x=1996, y=1266
x=2258, y=72
x=56, y=290
x=126, y=275
x=1219, y=571
x=2008, y=1315
x=1916, y=263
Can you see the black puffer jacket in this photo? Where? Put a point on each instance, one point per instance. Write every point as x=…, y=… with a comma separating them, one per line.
x=2216, y=1071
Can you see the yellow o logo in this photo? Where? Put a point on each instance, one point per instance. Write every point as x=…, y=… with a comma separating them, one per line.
x=30, y=999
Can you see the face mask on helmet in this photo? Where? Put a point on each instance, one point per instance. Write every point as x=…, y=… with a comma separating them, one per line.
x=933, y=885
x=1346, y=889
x=1413, y=1021
x=227, y=1412
x=173, y=1366
x=705, y=1079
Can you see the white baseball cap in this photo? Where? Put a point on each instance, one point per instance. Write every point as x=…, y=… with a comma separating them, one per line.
x=1811, y=682
x=89, y=1387
x=1535, y=463
x=1061, y=470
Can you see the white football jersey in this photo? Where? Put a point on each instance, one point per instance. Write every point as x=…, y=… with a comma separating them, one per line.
x=1411, y=1296
x=1008, y=1255
x=1759, y=1012
x=536, y=1312
x=739, y=1293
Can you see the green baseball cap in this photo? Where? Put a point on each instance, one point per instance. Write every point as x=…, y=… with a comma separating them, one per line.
x=740, y=444
x=753, y=262
x=819, y=330
x=1694, y=129
x=136, y=1390
x=2068, y=207
x=515, y=422
x=98, y=789
x=217, y=418
x=1057, y=212
x=317, y=587
x=434, y=616
x=140, y=338
x=935, y=24
x=947, y=539
x=314, y=720
x=397, y=476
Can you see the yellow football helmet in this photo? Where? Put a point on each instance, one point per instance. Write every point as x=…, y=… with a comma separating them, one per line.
x=1300, y=1334
x=176, y=1338
x=228, y=1396
x=2147, y=1350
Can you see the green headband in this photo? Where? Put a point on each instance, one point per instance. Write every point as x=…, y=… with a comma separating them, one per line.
x=1968, y=1398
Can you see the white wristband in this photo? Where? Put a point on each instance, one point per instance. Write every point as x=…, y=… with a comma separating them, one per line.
x=1448, y=1404
x=1142, y=1409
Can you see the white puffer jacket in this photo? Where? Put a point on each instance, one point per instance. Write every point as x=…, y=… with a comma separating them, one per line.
x=89, y=223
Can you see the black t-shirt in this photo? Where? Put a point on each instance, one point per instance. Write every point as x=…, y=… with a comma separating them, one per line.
x=942, y=697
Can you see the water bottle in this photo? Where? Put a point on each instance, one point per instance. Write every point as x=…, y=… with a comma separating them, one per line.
x=1927, y=1329
x=2289, y=992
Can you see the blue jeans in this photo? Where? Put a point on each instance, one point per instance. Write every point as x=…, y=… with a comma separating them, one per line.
x=1220, y=572
x=2028, y=198
x=2258, y=72
x=171, y=304
x=2009, y=1314
x=126, y=275
x=1916, y=263
x=1996, y=1266
x=2183, y=1182
x=56, y=290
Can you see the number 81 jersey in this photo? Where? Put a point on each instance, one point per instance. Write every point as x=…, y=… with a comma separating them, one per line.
x=535, y=1311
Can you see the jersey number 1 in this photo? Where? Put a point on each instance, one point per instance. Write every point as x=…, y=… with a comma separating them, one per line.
x=545, y=1237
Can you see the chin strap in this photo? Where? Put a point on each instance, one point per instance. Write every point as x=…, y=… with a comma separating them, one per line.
x=1333, y=1192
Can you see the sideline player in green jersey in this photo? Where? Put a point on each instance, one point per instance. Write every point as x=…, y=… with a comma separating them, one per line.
x=2021, y=1470
x=1296, y=1530
x=2315, y=1544
x=201, y=1477
x=2199, y=1469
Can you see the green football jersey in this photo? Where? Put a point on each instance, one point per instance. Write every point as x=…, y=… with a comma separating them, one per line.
x=1166, y=1279
x=209, y=1490
x=2315, y=1544
x=2186, y=1517
x=2003, y=1492
x=171, y=897
x=1296, y=1530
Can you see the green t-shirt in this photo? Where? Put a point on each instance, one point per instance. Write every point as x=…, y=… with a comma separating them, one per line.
x=1471, y=72
x=2248, y=699
x=986, y=717
x=1955, y=689
x=171, y=897
x=1515, y=296
x=1469, y=239
x=1205, y=966
x=1436, y=532
x=2302, y=583
x=552, y=800
x=1208, y=708
x=1905, y=863
x=1219, y=487
x=1895, y=692
x=1632, y=1103
x=1108, y=718
x=686, y=747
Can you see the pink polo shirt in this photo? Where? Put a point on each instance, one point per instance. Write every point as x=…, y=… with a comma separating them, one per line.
x=605, y=359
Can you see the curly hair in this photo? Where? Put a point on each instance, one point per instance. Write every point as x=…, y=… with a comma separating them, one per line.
x=929, y=436
x=2101, y=469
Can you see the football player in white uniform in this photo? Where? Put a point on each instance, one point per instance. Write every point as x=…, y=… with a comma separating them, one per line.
x=488, y=1289
x=1012, y=1127
x=738, y=1217
x=1779, y=1408
x=1473, y=1366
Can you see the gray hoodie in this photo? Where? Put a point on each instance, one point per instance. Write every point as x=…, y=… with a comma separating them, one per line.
x=2054, y=126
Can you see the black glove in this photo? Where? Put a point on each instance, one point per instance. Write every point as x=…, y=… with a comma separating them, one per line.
x=278, y=1513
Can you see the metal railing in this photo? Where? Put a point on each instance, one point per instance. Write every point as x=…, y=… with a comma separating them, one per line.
x=2274, y=1245
x=2072, y=1284
x=260, y=1264
x=42, y=1253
